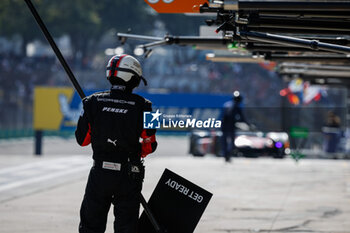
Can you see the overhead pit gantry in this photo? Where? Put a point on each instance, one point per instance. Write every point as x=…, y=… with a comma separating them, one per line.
x=300, y=31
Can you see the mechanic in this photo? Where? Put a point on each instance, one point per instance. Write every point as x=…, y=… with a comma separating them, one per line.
x=113, y=122
x=232, y=113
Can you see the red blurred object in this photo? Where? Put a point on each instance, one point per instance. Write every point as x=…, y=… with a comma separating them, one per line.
x=270, y=66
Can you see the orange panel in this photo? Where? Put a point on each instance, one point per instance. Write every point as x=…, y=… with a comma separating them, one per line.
x=176, y=6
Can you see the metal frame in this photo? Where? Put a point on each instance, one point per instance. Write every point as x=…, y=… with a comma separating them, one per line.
x=273, y=28
x=295, y=42
x=302, y=6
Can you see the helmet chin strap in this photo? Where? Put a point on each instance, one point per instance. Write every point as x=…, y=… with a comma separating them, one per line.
x=143, y=80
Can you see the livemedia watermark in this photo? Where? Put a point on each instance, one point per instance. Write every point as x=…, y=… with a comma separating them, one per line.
x=157, y=120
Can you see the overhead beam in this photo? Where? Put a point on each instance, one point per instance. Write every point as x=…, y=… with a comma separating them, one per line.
x=293, y=41
x=326, y=6
x=233, y=58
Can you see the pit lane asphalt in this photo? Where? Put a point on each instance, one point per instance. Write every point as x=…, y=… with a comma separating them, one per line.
x=43, y=194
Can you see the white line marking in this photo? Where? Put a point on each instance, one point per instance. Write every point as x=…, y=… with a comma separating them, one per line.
x=27, y=165
x=41, y=178
x=67, y=160
x=34, y=172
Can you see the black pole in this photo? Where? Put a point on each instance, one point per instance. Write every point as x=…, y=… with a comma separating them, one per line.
x=329, y=59
x=302, y=32
x=293, y=41
x=138, y=37
x=271, y=48
x=307, y=14
x=78, y=88
x=304, y=24
x=55, y=48
x=150, y=215
x=330, y=6
x=38, y=134
x=180, y=40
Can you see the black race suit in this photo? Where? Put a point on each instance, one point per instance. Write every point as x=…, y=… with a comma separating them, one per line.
x=232, y=113
x=113, y=122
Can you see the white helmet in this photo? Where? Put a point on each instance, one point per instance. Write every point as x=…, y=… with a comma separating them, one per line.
x=124, y=69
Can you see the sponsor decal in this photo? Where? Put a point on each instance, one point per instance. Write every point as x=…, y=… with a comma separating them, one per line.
x=111, y=141
x=111, y=166
x=115, y=110
x=116, y=101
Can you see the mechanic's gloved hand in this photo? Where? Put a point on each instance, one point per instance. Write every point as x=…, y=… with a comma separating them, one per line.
x=148, y=145
x=146, y=149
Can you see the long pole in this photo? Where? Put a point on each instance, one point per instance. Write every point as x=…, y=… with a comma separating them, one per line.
x=301, y=5
x=78, y=88
x=150, y=215
x=293, y=41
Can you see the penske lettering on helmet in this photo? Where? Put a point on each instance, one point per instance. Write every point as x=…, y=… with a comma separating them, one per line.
x=115, y=110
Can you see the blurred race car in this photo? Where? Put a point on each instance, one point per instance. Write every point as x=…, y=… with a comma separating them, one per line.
x=248, y=142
